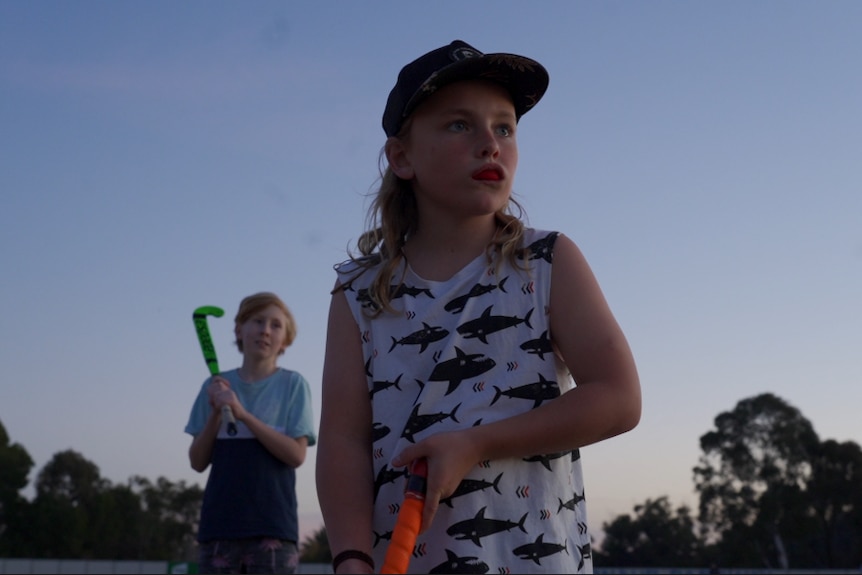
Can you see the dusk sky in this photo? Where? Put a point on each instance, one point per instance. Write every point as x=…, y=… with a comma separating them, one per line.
x=159, y=156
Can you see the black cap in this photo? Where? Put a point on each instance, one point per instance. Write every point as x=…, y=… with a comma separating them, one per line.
x=525, y=79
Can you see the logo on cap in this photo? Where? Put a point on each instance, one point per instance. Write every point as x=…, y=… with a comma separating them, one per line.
x=462, y=53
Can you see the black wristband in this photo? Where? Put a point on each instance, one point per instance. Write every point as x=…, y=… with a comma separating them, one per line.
x=352, y=554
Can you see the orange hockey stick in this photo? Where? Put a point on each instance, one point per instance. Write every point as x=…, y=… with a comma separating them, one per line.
x=409, y=519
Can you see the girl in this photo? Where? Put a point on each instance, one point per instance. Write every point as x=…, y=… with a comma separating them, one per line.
x=463, y=337
x=248, y=520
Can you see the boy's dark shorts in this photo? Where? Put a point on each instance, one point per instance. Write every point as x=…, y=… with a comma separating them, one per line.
x=248, y=556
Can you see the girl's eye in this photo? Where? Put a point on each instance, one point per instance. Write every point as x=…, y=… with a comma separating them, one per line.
x=506, y=130
x=458, y=126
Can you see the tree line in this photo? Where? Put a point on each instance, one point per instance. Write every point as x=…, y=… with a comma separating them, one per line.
x=771, y=494
x=77, y=514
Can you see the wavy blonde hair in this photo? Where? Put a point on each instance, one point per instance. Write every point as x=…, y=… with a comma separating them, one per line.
x=394, y=215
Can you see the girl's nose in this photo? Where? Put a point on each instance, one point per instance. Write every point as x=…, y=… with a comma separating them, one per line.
x=488, y=146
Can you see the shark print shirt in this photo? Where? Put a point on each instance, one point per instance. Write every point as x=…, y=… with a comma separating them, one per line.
x=469, y=351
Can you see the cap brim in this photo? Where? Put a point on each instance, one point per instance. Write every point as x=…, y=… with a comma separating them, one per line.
x=524, y=78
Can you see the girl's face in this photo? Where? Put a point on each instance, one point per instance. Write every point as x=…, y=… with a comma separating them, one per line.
x=461, y=153
x=263, y=334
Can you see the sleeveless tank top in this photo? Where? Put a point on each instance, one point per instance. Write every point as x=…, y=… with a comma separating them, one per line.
x=468, y=351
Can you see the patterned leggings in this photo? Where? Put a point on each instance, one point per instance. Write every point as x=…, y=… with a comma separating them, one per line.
x=248, y=556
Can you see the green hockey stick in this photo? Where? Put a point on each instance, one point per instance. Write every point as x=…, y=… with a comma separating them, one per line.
x=200, y=318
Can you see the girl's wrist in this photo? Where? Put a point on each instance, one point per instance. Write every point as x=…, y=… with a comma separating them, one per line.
x=352, y=554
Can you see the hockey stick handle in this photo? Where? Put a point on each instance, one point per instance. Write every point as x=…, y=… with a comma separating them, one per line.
x=202, y=328
x=229, y=419
x=409, y=520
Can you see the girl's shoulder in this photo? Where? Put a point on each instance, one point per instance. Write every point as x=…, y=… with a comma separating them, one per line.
x=537, y=244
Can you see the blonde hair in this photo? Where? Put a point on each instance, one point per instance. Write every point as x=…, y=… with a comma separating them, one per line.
x=255, y=303
x=394, y=215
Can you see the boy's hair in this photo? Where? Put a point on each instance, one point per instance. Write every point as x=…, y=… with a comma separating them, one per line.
x=256, y=302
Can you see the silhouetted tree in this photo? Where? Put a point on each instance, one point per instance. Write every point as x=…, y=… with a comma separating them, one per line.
x=69, y=476
x=77, y=514
x=773, y=495
x=15, y=466
x=115, y=525
x=62, y=514
x=656, y=536
x=835, y=498
x=170, y=517
x=315, y=548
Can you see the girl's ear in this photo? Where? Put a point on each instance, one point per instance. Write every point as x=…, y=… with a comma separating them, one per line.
x=396, y=155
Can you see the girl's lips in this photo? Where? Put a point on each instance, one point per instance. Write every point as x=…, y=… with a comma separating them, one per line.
x=488, y=174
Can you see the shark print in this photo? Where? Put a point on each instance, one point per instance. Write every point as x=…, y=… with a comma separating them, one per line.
x=546, y=459
x=363, y=296
x=455, y=564
x=540, y=249
x=464, y=366
x=423, y=337
x=396, y=292
x=387, y=475
x=471, y=485
x=384, y=537
x=379, y=431
x=570, y=504
x=381, y=385
x=419, y=423
x=539, y=549
x=468, y=351
x=477, y=527
x=421, y=385
x=487, y=324
x=586, y=553
x=539, y=346
x=457, y=305
x=538, y=391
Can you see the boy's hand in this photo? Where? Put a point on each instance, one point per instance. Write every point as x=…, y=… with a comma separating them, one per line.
x=220, y=394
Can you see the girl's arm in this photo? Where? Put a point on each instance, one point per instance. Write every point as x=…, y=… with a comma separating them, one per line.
x=605, y=402
x=607, y=398
x=344, y=473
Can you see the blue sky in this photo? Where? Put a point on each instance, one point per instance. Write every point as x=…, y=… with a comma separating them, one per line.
x=160, y=156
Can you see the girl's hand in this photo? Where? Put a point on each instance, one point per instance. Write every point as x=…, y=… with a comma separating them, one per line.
x=451, y=455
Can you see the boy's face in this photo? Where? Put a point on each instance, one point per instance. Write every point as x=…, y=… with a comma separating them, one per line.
x=461, y=149
x=263, y=333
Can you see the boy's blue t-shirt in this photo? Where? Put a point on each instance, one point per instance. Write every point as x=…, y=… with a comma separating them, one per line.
x=250, y=493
